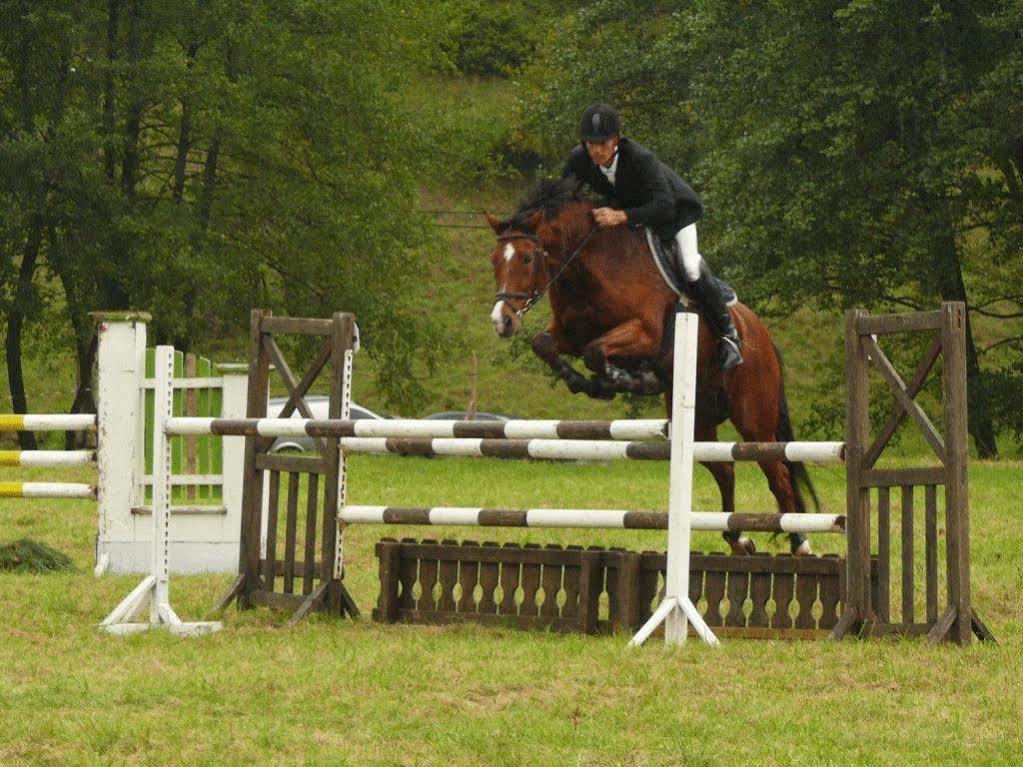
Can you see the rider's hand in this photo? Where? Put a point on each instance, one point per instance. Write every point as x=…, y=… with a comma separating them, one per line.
x=606, y=217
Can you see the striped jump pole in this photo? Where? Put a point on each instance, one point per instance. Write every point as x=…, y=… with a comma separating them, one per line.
x=557, y=449
x=47, y=490
x=75, y=422
x=399, y=428
x=47, y=458
x=588, y=518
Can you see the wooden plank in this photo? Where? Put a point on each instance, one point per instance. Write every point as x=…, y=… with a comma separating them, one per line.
x=277, y=601
x=906, y=402
x=530, y=583
x=407, y=570
x=468, y=575
x=883, y=324
x=427, y=584
x=300, y=567
x=488, y=584
x=894, y=477
x=627, y=590
x=908, y=586
x=957, y=502
x=312, y=504
x=857, y=501
x=290, y=530
x=509, y=581
x=590, y=579
x=931, y=550
x=312, y=601
x=806, y=596
x=297, y=326
x=389, y=555
x=916, y=383
x=941, y=628
x=760, y=594
x=296, y=397
x=252, y=483
x=287, y=462
x=570, y=584
x=831, y=596
x=448, y=577
x=883, y=589
x=271, y=531
x=563, y=625
x=550, y=580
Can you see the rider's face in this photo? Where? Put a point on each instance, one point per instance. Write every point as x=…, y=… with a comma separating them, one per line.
x=602, y=152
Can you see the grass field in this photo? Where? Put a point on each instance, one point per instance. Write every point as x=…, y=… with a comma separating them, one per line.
x=341, y=693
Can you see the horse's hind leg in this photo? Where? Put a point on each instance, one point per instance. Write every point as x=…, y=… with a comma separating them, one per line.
x=782, y=485
x=724, y=475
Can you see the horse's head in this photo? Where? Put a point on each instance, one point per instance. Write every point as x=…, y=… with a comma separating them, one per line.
x=520, y=270
x=550, y=216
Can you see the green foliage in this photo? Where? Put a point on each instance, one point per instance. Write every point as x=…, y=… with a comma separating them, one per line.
x=862, y=154
x=199, y=159
x=492, y=38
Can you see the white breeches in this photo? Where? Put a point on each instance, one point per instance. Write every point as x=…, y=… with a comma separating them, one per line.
x=691, y=258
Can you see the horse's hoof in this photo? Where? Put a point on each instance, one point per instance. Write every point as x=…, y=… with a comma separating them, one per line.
x=743, y=547
x=803, y=549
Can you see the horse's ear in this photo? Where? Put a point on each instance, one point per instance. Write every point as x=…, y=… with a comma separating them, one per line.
x=534, y=221
x=496, y=224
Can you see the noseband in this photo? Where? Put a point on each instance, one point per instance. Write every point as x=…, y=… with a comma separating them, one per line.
x=531, y=299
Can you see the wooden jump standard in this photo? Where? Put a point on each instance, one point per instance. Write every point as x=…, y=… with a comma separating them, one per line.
x=308, y=576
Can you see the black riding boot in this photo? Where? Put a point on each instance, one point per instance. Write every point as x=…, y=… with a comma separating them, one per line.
x=710, y=295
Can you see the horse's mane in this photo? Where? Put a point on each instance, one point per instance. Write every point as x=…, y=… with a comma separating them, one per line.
x=549, y=195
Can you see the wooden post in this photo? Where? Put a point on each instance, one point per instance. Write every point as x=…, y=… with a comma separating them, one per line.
x=857, y=607
x=957, y=521
x=252, y=487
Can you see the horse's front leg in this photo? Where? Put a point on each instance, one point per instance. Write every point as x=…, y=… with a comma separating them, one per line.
x=632, y=339
x=550, y=346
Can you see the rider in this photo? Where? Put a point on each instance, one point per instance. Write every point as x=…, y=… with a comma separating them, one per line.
x=649, y=193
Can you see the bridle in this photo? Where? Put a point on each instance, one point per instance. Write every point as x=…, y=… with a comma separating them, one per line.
x=532, y=298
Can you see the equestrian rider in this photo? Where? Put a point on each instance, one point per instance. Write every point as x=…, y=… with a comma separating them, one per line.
x=649, y=193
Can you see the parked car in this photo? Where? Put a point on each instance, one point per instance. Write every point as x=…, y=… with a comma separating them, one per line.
x=461, y=415
x=319, y=404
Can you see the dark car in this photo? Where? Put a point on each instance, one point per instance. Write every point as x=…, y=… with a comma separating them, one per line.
x=461, y=415
x=319, y=405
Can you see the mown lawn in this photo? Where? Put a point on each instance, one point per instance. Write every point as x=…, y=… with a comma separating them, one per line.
x=332, y=692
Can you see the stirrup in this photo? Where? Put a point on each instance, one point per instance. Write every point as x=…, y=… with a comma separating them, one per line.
x=729, y=355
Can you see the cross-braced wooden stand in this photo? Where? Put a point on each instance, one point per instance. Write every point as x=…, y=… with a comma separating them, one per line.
x=154, y=590
x=272, y=579
x=677, y=611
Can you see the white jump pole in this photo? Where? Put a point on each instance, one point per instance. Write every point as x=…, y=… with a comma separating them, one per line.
x=676, y=611
x=155, y=588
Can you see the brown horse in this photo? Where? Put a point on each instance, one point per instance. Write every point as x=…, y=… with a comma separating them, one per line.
x=611, y=307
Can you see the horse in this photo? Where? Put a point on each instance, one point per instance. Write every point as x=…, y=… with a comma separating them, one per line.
x=611, y=307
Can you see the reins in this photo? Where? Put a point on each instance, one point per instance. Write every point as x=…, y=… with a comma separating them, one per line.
x=531, y=299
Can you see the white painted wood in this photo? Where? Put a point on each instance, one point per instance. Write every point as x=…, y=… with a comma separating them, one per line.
x=676, y=610
x=611, y=518
x=58, y=422
x=454, y=516
x=121, y=364
x=56, y=490
x=47, y=458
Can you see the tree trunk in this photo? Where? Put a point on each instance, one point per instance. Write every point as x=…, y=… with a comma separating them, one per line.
x=953, y=288
x=16, y=323
x=109, y=123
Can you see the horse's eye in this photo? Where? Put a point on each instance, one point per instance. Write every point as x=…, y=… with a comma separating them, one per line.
x=528, y=259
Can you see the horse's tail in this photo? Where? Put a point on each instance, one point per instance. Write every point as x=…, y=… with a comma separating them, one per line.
x=784, y=433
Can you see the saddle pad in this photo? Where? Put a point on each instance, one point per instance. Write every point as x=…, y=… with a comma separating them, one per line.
x=670, y=269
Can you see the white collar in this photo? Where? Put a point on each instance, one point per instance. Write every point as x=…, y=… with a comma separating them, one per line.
x=610, y=172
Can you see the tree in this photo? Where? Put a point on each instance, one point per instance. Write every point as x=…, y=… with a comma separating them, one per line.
x=860, y=153
x=200, y=158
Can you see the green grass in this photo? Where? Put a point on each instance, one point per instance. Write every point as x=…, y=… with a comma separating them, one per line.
x=356, y=693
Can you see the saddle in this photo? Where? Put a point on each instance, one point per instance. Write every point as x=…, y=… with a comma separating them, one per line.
x=668, y=261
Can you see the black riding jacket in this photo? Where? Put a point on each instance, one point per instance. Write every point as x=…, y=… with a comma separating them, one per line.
x=650, y=193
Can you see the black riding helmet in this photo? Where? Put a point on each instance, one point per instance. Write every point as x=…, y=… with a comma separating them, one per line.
x=599, y=123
